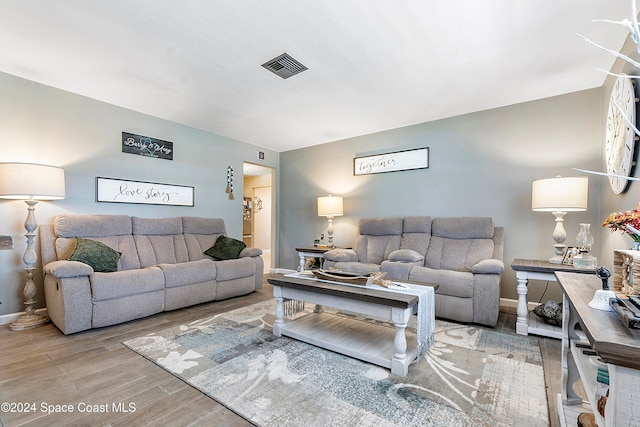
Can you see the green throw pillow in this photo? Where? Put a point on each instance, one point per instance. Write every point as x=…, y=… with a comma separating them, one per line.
x=225, y=248
x=98, y=255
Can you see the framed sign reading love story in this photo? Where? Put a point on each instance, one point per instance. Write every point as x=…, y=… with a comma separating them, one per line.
x=150, y=193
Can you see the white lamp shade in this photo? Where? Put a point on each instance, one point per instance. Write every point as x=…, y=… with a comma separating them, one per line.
x=330, y=206
x=560, y=194
x=31, y=181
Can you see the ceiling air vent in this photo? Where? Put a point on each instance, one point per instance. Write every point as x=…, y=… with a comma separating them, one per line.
x=284, y=66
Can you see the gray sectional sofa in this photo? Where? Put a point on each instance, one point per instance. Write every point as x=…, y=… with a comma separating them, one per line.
x=161, y=267
x=461, y=254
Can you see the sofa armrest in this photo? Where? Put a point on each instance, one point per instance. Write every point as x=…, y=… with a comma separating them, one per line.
x=406, y=255
x=64, y=268
x=250, y=252
x=488, y=266
x=341, y=255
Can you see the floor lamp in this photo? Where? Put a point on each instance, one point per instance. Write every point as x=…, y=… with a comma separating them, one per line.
x=330, y=207
x=560, y=195
x=31, y=183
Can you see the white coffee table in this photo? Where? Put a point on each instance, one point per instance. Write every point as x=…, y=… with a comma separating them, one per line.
x=391, y=348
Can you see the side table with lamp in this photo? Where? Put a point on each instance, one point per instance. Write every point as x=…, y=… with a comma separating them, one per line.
x=526, y=269
x=311, y=252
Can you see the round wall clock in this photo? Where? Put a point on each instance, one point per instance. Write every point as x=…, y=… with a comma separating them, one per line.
x=620, y=135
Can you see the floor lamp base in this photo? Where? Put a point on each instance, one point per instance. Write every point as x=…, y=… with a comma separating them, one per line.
x=29, y=321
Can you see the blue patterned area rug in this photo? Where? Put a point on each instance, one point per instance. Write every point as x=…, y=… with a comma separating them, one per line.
x=472, y=376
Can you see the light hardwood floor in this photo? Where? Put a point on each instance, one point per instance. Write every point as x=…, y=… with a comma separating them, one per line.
x=43, y=368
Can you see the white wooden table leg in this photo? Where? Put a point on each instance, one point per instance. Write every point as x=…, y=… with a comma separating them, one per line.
x=522, y=311
x=301, y=268
x=399, y=363
x=570, y=372
x=279, y=323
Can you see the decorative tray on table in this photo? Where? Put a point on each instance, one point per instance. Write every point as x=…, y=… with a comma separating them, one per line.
x=347, y=277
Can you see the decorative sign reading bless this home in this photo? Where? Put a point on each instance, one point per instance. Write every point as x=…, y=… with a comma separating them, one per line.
x=150, y=193
x=146, y=146
x=392, y=162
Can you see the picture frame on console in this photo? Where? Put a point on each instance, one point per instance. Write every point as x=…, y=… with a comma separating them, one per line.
x=569, y=253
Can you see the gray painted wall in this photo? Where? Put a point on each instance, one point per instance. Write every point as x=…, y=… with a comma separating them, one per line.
x=40, y=124
x=481, y=164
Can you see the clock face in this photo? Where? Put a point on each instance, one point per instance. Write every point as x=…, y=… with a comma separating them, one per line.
x=620, y=135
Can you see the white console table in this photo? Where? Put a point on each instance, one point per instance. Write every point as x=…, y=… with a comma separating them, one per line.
x=526, y=269
x=616, y=345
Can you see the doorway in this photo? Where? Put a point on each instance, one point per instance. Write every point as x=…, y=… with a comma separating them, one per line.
x=258, y=210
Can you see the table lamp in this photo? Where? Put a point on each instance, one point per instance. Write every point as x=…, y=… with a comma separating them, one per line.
x=31, y=183
x=330, y=207
x=560, y=195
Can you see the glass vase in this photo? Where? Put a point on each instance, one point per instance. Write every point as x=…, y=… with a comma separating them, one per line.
x=584, y=239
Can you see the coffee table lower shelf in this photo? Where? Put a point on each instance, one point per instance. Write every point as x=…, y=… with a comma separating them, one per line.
x=361, y=340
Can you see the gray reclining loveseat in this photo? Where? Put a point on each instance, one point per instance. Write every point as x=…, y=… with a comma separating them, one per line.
x=461, y=254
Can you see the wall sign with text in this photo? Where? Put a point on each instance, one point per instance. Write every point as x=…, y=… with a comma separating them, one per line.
x=149, y=193
x=392, y=162
x=146, y=146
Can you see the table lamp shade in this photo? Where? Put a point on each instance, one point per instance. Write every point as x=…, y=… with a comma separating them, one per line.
x=330, y=206
x=565, y=194
x=31, y=181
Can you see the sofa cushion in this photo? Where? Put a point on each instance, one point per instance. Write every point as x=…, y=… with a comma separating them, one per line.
x=406, y=255
x=201, y=234
x=188, y=273
x=225, y=248
x=340, y=255
x=357, y=267
x=454, y=283
x=159, y=240
x=197, y=225
x=375, y=249
x=64, y=269
x=154, y=250
x=119, y=284
x=250, y=252
x=459, y=243
x=234, y=269
x=377, y=238
x=463, y=227
x=416, y=233
x=380, y=226
x=123, y=244
x=156, y=226
x=457, y=255
x=112, y=230
x=92, y=225
x=98, y=255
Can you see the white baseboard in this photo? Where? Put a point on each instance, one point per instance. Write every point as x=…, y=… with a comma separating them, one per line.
x=5, y=319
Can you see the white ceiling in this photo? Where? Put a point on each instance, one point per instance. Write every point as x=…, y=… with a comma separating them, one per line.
x=373, y=64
